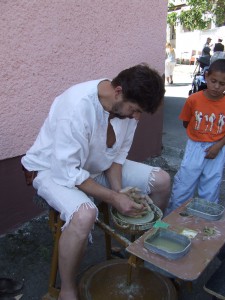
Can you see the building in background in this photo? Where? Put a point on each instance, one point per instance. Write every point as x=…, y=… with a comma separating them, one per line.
x=46, y=47
x=188, y=44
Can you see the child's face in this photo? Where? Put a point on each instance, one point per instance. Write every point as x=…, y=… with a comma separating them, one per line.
x=215, y=85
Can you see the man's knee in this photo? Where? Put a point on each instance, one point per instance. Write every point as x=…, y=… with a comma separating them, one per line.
x=83, y=220
x=162, y=180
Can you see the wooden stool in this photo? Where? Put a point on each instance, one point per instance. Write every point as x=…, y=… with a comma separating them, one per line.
x=55, y=224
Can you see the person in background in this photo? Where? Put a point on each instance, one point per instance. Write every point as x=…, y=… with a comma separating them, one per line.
x=170, y=63
x=218, y=46
x=81, y=153
x=218, y=51
x=204, y=59
x=207, y=44
x=203, y=117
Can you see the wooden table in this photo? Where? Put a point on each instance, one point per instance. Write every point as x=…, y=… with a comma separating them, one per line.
x=203, y=248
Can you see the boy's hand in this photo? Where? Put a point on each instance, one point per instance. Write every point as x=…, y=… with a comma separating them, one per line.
x=212, y=151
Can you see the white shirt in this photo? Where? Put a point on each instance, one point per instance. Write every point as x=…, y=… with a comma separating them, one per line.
x=72, y=140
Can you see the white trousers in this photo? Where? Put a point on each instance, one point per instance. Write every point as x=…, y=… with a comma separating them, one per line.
x=68, y=200
x=197, y=172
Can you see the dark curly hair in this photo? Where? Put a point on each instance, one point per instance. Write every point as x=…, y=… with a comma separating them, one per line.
x=142, y=85
x=217, y=66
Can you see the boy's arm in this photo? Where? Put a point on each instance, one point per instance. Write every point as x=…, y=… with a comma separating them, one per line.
x=213, y=150
x=185, y=124
x=186, y=113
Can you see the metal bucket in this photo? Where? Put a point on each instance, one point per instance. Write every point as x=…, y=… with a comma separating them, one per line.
x=108, y=280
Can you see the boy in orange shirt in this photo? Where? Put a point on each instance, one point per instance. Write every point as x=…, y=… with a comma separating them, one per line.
x=203, y=117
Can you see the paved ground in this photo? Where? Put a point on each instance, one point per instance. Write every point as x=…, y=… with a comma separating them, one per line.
x=26, y=253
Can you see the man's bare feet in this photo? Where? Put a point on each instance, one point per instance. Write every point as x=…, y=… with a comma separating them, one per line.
x=68, y=295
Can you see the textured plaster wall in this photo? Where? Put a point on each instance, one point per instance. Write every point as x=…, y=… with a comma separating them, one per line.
x=47, y=46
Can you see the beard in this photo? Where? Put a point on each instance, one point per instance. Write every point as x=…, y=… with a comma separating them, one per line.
x=118, y=116
x=117, y=111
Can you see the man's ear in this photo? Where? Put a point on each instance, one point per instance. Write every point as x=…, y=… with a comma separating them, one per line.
x=118, y=90
x=206, y=75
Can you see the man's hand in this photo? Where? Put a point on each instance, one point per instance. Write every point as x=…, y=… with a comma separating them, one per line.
x=133, y=204
x=120, y=200
x=128, y=207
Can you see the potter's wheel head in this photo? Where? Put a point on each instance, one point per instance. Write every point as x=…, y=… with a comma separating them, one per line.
x=137, y=220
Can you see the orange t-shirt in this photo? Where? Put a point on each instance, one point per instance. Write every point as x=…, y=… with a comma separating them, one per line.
x=206, y=118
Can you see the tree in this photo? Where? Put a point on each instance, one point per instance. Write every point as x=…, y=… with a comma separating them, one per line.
x=220, y=13
x=197, y=14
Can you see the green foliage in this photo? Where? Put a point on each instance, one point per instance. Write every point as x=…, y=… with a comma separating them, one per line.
x=220, y=12
x=192, y=19
x=199, y=14
x=172, y=18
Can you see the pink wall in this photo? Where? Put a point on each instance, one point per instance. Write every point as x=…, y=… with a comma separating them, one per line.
x=47, y=46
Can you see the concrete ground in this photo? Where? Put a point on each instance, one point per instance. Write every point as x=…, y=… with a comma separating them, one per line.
x=26, y=253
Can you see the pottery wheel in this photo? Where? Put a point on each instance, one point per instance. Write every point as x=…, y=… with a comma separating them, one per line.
x=137, y=221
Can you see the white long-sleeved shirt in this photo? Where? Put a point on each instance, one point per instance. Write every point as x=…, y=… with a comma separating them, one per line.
x=72, y=140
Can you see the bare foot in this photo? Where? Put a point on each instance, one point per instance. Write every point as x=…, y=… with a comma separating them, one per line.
x=68, y=295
